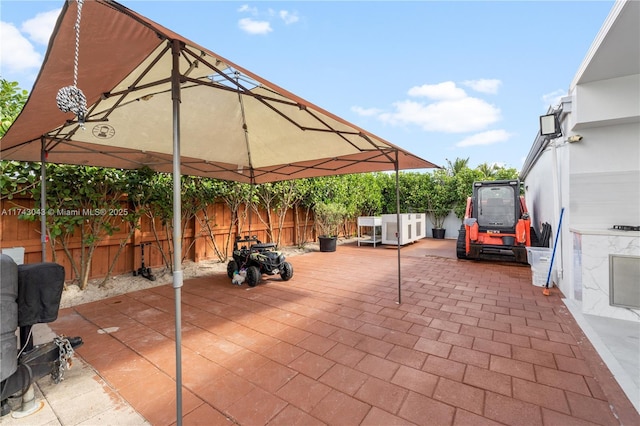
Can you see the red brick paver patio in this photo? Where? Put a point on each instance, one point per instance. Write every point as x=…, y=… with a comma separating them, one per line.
x=472, y=343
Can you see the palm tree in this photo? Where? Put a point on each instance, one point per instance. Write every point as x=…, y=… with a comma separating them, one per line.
x=489, y=171
x=453, y=168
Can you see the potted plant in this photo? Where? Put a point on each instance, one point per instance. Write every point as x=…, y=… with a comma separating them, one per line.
x=439, y=202
x=328, y=218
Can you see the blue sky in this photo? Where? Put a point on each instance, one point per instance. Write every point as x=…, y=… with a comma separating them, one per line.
x=442, y=79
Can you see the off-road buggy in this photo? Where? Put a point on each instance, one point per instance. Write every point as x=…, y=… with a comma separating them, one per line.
x=256, y=258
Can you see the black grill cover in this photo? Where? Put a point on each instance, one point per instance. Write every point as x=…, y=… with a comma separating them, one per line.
x=39, y=291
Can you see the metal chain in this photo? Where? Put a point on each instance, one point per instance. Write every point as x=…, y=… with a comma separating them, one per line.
x=65, y=352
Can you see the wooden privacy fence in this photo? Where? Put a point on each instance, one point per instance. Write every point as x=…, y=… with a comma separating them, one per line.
x=199, y=240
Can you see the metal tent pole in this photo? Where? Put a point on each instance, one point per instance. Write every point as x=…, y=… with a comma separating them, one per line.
x=398, y=227
x=43, y=199
x=177, y=224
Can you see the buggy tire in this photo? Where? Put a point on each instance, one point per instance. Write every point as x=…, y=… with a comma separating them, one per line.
x=461, y=245
x=287, y=271
x=253, y=276
x=231, y=268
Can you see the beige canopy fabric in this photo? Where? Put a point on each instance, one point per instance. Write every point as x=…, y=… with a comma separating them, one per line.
x=234, y=125
x=159, y=100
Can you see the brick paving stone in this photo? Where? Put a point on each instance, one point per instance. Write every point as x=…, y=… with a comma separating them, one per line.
x=465, y=418
x=384, y=395
x=456, y=339
x=257, y=407
x=509, y=320
x=344, y=354
x=550, y=417
x=378, y=417
x=433, y=347
x=461, y=318
x=532, y=332
x=487, y=379
x=553, y=347
x=511, y=339
x=418, y=381
x=283, y=352
x=511, y=411
x=377, y=367
x=374, y=346
x=483, y=333
x=311, y=364
x=591, y=409
x=344, y=378
x=317, y=344
x=400, y=338
x=338, y=408
x=460, y=395
x=512, y=367
x=303, y=392
x=492, y=347
x=420, y=409
x=594, y=387
x=541, y=395
x=271, y=376
x=371, y=330
x=470, y=356
x=293, y=416
x=406, y=356
x=444, y=367
x=561, y=337
x=562, y=380
x=533, y=356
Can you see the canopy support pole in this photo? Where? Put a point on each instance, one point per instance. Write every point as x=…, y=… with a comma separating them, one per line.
x=177, y=223
x=396, y=166
x=43, y=199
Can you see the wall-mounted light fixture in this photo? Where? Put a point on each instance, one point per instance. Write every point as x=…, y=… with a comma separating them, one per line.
x=574, y=138
x=550, y=126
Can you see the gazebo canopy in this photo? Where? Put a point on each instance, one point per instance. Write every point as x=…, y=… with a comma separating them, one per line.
x=233, y=125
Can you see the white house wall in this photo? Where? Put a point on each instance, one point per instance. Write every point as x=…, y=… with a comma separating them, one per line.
x=607, y=102
x=605, y=177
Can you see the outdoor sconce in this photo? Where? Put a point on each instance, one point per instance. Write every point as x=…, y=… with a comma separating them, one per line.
x=550, y=126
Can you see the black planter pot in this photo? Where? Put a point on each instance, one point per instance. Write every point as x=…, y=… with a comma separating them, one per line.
x=328, y=244
x=438, y=233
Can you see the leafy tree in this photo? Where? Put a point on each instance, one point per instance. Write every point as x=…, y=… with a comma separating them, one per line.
x=84, y=202
x=236, y=195
x=440, y=197
x=12, y=99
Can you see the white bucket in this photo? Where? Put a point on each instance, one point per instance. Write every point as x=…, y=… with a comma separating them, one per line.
x=540, y=259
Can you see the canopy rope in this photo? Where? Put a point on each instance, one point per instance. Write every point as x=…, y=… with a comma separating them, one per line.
x=71, y=98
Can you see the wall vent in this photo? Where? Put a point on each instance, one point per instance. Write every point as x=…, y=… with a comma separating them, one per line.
x=624, y=281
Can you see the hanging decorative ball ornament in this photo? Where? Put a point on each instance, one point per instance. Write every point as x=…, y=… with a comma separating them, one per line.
x=71, y=99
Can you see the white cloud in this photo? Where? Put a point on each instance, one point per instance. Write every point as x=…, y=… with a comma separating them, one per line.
x=248, y=9
x=485, y=138
x=450, y=116
x=484, y=85
x=366, y=112
x=40, y=28
x=288, y=17
x=21, y=56
x=445, y=90
x=252, y=26
x=553, y=98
